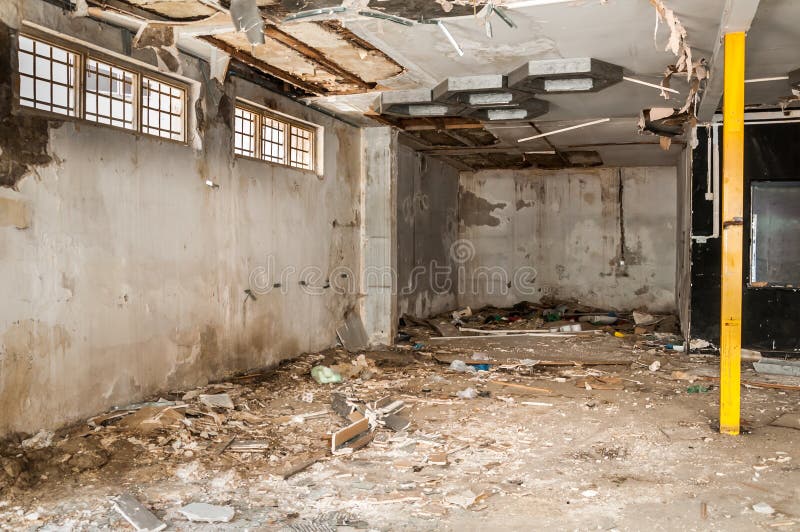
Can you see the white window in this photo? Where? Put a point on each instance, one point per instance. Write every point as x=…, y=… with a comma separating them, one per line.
x=273, y=133
x=263, y=135
x=162, y=109
x=60, y=80
x=109, y=94
x=301, y=149
x=245, y=124
x=46, y=77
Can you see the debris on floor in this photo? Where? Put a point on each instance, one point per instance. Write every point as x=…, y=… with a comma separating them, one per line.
x=207, y=513
x=136, y=514
x=425, y=433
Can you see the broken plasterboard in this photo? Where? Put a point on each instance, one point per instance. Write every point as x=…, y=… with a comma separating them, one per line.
x=136, y=514
x=352, y=334
x=772, y=366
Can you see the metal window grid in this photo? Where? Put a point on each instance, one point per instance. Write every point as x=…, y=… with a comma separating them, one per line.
x=109, y=94
x=47, y=76
x=244, y=132
x=273, y=143
x=162, y=109
x=300, y=148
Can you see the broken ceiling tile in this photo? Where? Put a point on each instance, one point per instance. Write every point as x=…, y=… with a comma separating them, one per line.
x=663, y=121
x=553, y=76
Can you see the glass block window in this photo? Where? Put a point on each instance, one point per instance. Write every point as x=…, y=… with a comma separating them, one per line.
x=162, y=109
x=109, y=94
x=47, y=76
x=244, y=132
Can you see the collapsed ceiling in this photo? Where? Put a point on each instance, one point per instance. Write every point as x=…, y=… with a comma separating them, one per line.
x=470, y=80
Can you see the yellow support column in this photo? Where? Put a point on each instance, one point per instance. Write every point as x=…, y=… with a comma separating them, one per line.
x=732, y=226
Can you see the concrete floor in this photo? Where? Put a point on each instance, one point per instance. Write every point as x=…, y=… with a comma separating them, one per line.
x=644, y=457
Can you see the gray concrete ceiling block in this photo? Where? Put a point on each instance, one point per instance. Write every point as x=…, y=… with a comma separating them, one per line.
x=555, y=76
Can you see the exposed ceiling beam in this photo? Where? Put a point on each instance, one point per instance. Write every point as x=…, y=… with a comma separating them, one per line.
x=550, y=144
x=458, y=138
x=427, y=123
x=737, y=16
x=128, y=9
x=470, y=149
x=314, y=55
x=258, y=64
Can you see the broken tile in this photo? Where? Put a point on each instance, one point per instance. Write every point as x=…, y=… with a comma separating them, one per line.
x=137, y=514
x=207, y=513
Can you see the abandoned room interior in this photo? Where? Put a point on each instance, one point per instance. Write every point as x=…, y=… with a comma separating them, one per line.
x=329, y=265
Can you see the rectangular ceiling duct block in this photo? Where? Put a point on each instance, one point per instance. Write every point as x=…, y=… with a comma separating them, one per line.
x=415, y=103
x=553, y=76
x=528, y=110
x=478, y=91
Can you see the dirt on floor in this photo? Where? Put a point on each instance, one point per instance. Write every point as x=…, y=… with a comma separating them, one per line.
x=564, y=431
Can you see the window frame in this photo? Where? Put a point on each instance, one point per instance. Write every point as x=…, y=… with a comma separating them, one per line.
x=137, y=80
x=753, y=281
x=288, y=123
x=77, y=86
x=256, y=132
x=83, y=52
x=184, y=104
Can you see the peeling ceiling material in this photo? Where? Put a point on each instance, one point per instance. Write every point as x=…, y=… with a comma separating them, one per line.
x=175, y=9
x=317, y=58
x=409, y=9
x=679, y=45
x=314, y=58
x=663, y=121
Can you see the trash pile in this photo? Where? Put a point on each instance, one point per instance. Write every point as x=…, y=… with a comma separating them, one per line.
x=545, y=319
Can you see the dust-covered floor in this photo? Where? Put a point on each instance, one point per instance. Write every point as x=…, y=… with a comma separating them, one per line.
x=596, y=447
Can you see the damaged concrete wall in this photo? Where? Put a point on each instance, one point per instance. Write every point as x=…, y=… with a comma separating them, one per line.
x=379, y=234
x=683, y=266
x=427, y=227
x=124, y=274
x=604, y=237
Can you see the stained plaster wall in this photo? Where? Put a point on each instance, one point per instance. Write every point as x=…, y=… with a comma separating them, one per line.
x=565, y=225
x=123, y=274
x=427, y=227
x=684, y=241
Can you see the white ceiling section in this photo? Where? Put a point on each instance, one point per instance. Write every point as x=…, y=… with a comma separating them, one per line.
x=620, y=32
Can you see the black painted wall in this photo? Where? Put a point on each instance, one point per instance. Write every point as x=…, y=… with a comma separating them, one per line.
x=769, y=315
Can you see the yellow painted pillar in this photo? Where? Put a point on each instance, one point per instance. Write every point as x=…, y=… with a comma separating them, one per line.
x=732, y=227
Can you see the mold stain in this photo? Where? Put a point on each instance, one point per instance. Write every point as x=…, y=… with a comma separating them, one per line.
x=478, y=211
